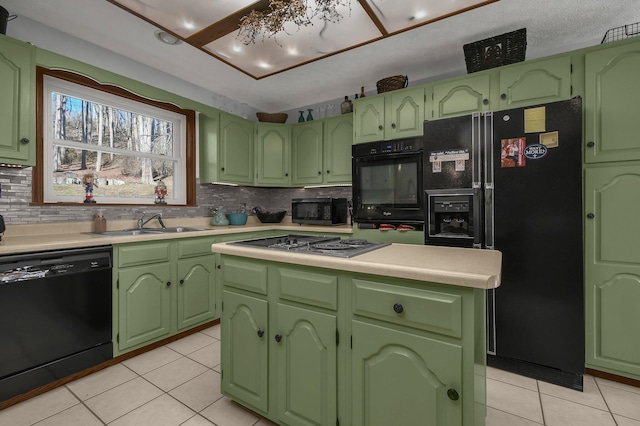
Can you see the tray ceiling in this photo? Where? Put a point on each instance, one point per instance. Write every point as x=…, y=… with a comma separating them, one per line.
x=213, y=27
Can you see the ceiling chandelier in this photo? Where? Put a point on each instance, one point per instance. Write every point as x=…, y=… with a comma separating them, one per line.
x=270, y=21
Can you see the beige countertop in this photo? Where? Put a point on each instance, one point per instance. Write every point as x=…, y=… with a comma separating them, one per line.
x=446, y=265
x=65, y=235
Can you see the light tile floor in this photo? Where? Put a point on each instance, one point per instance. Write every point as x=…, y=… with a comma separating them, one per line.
x=179, y=384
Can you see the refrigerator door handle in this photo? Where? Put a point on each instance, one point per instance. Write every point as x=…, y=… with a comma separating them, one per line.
x=487, y=141
x=489, y=237
x=477, y=218
x=476, y=147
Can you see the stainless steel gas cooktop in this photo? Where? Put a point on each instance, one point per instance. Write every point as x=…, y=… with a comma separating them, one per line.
x=309, y=244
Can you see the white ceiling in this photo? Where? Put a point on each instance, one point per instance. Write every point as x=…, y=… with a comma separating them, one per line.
x=424, y=53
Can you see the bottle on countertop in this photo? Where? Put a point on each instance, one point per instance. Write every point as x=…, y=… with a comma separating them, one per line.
x=346, y=107
x=100, y=222
x=356, y=96
x=362, y=95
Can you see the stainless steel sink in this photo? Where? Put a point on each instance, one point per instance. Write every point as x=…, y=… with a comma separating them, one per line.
x=146, y=231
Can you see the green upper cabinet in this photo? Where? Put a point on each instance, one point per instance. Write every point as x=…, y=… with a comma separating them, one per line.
x=535, y=82
x=17, y=103
x=612, y=268
x=273, y=152
x=368, y=119
x=208, y=137
x=236, y=150
x=307, y=141
x=611, y=104
x=338, y=139
x=460, y=96
x=392, y=115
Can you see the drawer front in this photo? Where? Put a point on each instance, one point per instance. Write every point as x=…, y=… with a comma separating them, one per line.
x=413, y=307
x=308, y=287
x=194, y=247
x=141, y=254
x=244, y=274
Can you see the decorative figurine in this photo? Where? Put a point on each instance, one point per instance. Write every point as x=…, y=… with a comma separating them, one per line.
x=161, y=192
x=88, y=188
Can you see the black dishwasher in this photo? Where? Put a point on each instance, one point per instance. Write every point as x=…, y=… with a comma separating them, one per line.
x=55, y=316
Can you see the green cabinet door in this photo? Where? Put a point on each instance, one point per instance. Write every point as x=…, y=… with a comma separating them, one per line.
x=273, y=160
x=338, y=139
x=404, y=379
x=144, y=298
x=461, y=96
x=368, y=119
x=17, y=103
x=611, y=104
x=196, y=290
x=245, y=350
x=208, y=147
x=305, y=350
x=535, y=82
x=307, y=153
x=236, y=150
x=612, y=269
x=405, y=114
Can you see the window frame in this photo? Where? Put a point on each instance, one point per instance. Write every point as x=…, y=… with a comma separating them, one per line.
x=40, y=169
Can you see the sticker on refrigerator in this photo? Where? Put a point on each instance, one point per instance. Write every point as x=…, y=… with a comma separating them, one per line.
x=436, y=166
x=449, y=155
x=511, y=153
x=535, y=151
x=535, y=120
x=550, y=140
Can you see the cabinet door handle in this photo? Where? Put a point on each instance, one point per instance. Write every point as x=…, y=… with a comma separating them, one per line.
x=380, y=127
x=328, y=172
x=485, y=101
x=453, y=394
x=181, y=281
x=590, y=215
x=24, y=141
x=319, y=173
x=260, y=333
x=398, y=308
x=590, y=144
x=286, y=175
x=222, y=169
x=218, y=267
x=503, y=96
x=393, y=125
x=168, y=283
x=278, y=338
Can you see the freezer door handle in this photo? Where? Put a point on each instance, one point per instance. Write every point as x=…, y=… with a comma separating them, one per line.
x=489, y=238
x=477, y=217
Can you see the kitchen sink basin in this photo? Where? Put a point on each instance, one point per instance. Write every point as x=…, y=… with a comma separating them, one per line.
x=146, y=231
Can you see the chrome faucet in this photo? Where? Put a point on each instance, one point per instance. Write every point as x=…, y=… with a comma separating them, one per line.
x=142, y=222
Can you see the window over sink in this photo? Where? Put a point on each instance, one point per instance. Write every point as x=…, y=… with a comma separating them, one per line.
x=101, y=143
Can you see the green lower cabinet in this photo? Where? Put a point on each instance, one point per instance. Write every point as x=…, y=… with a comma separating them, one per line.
x=245, y=349
x=305, y=351
x=196, y=291
x=144, y=304
x=404, y=379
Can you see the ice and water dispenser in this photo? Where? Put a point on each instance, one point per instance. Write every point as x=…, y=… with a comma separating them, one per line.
x=451, y=220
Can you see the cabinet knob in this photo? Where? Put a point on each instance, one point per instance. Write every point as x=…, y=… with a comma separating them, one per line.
x=286, y=174
x=319, y=173
x=485, y=101
x=278, y=338
x=328, y=172
x=393, y=125
x=260, y=333
x=181, y=281
x=380, y=127
x=398, y=308
x=219, y=267
x=168, y=283
x=222, y=169
x=503, y=96
x=453, y=394
x=591, y=215
x=24, y=141
x=590, y=144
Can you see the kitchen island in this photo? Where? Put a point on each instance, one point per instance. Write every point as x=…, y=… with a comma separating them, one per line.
x=393, y=336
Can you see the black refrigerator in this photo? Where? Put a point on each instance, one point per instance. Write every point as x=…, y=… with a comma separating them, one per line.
x=512, y=181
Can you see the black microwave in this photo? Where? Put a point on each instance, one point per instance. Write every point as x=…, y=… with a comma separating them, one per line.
x=319, y=211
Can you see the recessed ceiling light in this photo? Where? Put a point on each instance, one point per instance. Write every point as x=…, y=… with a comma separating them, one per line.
x=420, y=14
x=189, y=25
x=263, y=64
x=167, y=38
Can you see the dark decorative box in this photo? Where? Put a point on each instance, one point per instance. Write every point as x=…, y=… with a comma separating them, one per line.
x=497, y=51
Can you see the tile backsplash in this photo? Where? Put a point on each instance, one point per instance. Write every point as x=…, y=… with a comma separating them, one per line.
x=15, y=199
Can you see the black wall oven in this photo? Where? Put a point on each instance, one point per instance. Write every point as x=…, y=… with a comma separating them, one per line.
x=387, y=181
